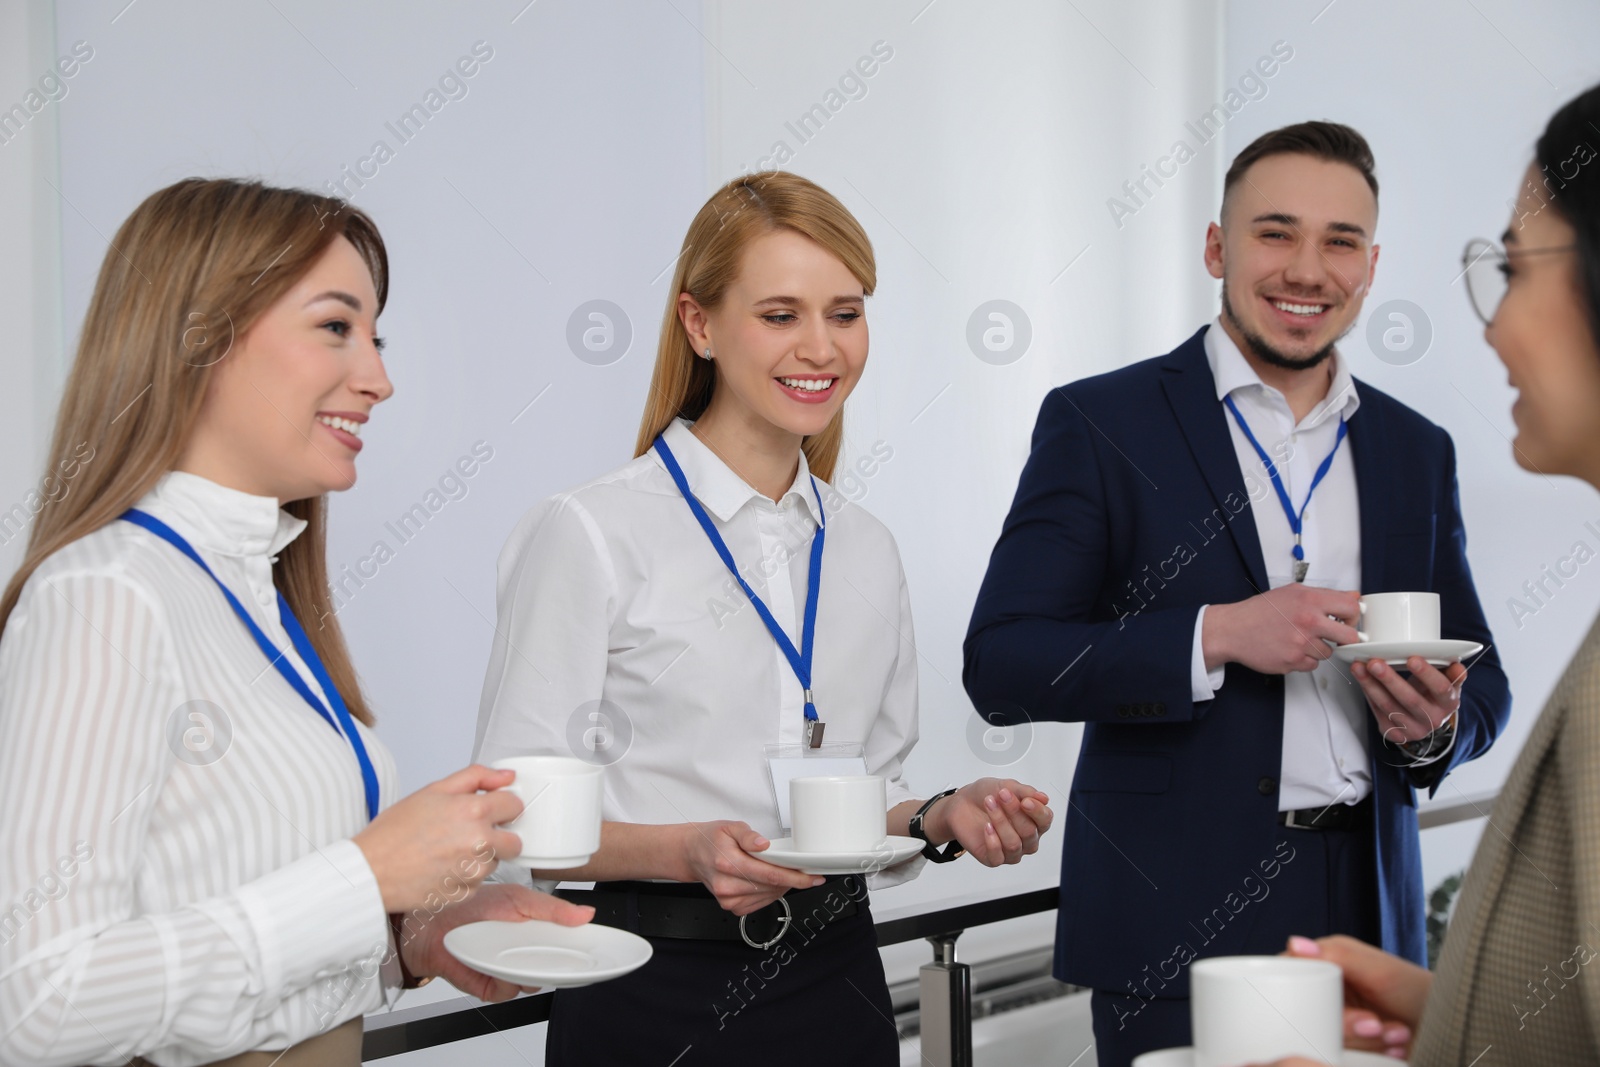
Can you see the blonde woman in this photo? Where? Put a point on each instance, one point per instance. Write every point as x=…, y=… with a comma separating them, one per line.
x=709, y=599
x=202, y=856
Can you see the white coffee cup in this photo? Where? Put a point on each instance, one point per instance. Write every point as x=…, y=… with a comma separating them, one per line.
x=838, y=813
x=560, y=820
x=1255, y=1009
x=1398, y=617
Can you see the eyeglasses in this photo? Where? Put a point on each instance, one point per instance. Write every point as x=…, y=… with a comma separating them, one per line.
x=1487, y=269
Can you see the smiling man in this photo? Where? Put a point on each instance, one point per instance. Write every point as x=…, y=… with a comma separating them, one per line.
x=1189, y=538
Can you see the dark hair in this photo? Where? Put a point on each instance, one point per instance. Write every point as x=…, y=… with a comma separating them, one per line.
x=1331, y=141
x=1566, y=145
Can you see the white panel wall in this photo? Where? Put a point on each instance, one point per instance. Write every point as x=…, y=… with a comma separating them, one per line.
x=32, y=95
x=566, y=172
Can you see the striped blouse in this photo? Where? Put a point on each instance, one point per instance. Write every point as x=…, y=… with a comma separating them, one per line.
x=177, y=875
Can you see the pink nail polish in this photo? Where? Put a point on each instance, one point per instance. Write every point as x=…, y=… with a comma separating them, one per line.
x=1304, y=946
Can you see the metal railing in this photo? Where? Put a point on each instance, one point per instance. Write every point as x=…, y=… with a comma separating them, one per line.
x=944, y=984
x=458, y=1019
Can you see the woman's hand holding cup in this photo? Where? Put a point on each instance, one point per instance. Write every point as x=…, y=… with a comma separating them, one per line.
x=1384, y=995
x=443, y=836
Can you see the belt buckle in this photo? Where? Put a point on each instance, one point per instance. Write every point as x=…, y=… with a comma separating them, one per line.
x=783, y=927
x=1288, y=821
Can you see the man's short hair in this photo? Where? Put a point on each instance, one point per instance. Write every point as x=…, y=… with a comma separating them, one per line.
x=1331, y=141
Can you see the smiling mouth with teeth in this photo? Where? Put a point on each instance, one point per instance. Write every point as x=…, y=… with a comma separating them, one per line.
x=349, y=426
x=808, y=385
x=1299, y=309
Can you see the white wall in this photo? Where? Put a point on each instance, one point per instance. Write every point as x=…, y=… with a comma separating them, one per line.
x=566, y=173
x=29, y=265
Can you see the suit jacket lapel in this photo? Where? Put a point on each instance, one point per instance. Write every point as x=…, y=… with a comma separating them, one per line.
x=1192, y=391
x=1369, y=449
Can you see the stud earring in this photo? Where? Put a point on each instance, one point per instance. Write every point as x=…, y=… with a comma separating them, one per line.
x=707, y=353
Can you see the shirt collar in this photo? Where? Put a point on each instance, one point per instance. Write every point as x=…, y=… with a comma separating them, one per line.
x=717, y=486
x=221, y=520
x=1233, y=372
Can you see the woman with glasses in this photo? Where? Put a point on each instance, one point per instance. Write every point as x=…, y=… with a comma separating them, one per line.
x=1518, y=982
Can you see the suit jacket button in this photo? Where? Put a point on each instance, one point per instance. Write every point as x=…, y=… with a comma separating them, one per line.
x=1267, y=786
x=1122, y=711
x=1161, y=709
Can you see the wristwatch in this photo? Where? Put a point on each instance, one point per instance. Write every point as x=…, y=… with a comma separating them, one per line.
x=952, y=850
x=408, y=980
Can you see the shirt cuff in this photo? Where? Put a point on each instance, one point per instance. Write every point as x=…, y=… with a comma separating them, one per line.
x=321, y=913
x=901, y=872
x=1203, y=684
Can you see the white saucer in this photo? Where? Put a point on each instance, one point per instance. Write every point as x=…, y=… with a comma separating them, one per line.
x=545, y=954
x=894, y=849
x=1184, y=1057
x=1395, y=653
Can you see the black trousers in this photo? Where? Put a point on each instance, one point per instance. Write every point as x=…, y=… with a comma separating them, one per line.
x=816, y=997
x=1330, y=887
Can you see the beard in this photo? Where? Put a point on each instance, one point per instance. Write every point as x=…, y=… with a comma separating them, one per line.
x=1262, y=349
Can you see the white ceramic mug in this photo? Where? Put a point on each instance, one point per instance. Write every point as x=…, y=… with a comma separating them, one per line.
x=1255, y=1009
x=560, y=820
x=838, y=813
x=1398, y=617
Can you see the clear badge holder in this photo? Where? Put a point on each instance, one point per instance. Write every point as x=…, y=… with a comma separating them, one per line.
x=787, y=762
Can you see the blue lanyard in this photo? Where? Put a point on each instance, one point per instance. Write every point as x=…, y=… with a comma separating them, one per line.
x=799, y=659
x=345, y=726
x=1296, y=519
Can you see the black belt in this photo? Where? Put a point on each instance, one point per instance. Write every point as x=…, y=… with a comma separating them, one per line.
x=689, y=911
x=1332, y=817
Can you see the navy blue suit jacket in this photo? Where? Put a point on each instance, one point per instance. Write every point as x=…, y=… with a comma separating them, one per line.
x=1132, y=512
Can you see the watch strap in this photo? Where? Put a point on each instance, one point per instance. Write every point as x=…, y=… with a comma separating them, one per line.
x=407, y=979
x=951, y=850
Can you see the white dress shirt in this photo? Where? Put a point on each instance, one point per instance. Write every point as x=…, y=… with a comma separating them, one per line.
x=616, y=614
x=1325, y=758
x=176, y=866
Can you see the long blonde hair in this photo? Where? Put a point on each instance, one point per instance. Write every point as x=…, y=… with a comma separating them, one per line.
x=744, y=209
x=191, y=270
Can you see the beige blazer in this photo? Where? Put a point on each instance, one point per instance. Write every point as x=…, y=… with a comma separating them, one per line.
x=1518, y=982
x=339, y=1047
